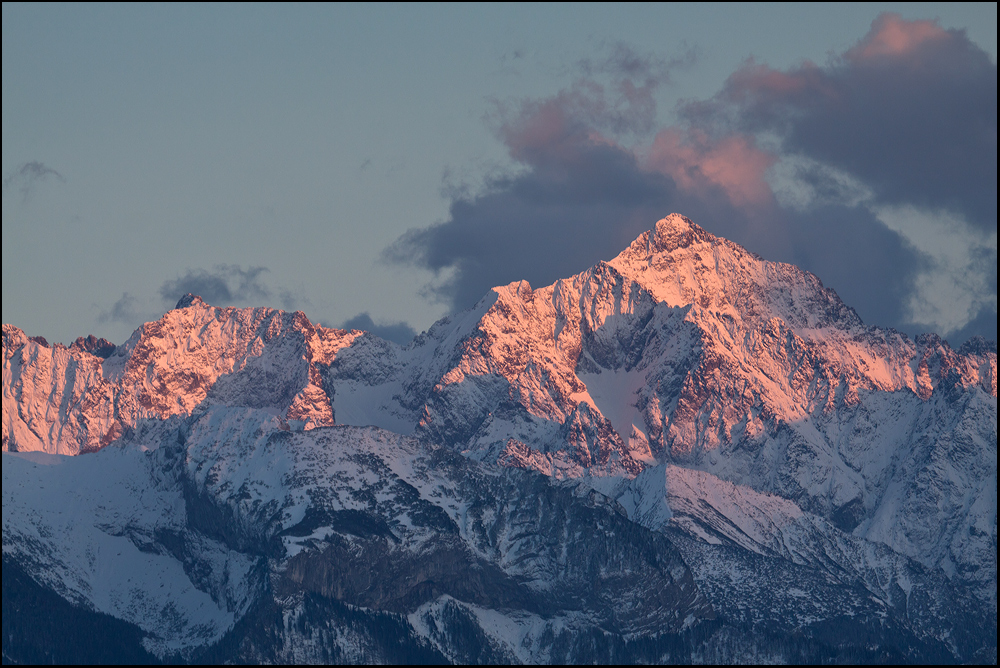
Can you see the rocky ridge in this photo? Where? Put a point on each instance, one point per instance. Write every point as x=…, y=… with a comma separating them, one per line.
x=67, y=400
x=802, y=467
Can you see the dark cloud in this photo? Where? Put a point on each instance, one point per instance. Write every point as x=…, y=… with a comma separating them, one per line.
x=28, y=175
x=871, y=267
x=580, y=197
x=584, y=197
x=226, y=284
x=579, y=201
x=587, y=105
x=615, y=95
x=984, y=325
x=123, y=310
x=911, y=110
x=289, y=302
x=399, y=332
x=581, y=193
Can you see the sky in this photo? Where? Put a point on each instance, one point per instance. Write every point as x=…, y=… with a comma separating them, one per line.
x=381, y=166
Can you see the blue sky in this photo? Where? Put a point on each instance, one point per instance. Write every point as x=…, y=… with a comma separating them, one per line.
x=383, y=165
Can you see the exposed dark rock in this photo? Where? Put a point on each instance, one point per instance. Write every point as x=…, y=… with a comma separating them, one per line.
x=91, y=344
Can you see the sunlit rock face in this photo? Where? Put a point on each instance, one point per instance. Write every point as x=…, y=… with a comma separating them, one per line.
x=701, y=354
x=69, y=400
x=686, y=452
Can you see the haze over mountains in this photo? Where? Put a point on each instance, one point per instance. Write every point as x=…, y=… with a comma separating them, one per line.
x=686, y=453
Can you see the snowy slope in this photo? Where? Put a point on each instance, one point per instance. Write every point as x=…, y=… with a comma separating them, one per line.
x=792, y=467
x=697, y=352
x=106, y=534
x=186, y=527
x=188, y=519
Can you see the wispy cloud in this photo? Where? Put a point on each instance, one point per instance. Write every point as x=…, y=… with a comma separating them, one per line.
x=624, y=64
x=124, y=310
x=27, y=176
x=224, y=285
x=397, y=332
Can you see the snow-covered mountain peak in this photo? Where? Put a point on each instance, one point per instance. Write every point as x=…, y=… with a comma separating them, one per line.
x=682, y=264
x=676, y=231
x=67, y=400
x=13, y=337
x=189, y=300
x=733, y=406
x=680, y=324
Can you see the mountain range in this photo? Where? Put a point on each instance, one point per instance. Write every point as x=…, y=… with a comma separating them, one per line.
x=684, y=454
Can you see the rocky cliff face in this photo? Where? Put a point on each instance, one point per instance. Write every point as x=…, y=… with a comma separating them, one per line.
x=78, y=399
x=685, y=453
x=688, y=349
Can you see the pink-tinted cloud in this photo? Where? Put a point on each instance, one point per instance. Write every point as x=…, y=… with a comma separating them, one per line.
x=910, y=110
x=614, y=97
x=537, y=129
x=892, y=35
x=581, y=195
x=755, y=84
x=697, y=164
x=543, y=124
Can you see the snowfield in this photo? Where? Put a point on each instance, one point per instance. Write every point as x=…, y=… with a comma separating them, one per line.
x=687, y=453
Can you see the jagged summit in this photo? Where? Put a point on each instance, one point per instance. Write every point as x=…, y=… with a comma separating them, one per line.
x=704, y=393
x=189, y=300
x=668, y=234
x=80, y=399
x=99, y=347
x=680, y=263
x=676, y=231
x=768, y=327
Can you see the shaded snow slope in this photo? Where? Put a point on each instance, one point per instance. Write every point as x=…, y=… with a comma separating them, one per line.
x=802, y=466
x=196, y=529
x=110, y=534
x=184, y=524
x=696, y=352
